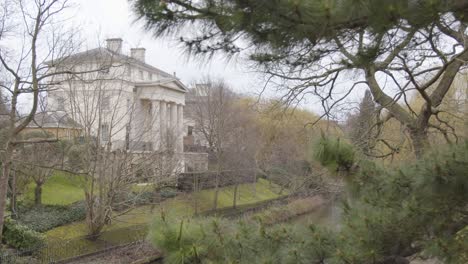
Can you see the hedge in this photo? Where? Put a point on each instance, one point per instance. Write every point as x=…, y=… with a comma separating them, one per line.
x=20, y=236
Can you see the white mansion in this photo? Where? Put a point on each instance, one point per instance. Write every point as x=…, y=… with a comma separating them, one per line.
x=126, y=104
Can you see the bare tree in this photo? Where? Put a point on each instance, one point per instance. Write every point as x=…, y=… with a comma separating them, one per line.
x=37, y=161
x=227, y=129
x=33, y=38
x=241, y=147
x=118, y=147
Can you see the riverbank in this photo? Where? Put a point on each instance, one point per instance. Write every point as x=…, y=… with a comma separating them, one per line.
x=293, y=208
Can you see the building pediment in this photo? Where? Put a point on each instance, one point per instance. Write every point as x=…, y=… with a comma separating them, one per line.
x=172, y=84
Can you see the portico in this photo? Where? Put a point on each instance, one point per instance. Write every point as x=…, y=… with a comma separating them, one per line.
x=166, y=114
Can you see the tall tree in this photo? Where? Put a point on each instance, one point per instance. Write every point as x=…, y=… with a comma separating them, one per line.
x=38, y=160
x=25, y=68
x=362, y=124
x=227, y=127
x=316, y=45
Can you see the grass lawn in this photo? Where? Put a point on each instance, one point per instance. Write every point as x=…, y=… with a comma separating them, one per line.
x=61, y=188
x=246, y=194
x=182, y=205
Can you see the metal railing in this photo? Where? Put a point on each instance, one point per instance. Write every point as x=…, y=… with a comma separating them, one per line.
x=61, y=250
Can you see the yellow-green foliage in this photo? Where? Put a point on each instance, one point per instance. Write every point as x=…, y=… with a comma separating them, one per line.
x=451, y=118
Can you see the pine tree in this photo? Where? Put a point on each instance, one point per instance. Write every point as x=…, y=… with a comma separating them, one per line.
x=363, y=125
x=314, y=44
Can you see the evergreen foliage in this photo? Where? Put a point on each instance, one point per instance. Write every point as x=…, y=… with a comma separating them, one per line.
x=419, y=208
x=213, y=240
x=21, y=237
x=45, y=217
x=312, y=47
x=282, y=25
x=334, y=153
x=363, y=125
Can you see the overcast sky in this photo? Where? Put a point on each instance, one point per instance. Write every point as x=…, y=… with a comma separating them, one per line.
x=101, y=19
x=98, y=20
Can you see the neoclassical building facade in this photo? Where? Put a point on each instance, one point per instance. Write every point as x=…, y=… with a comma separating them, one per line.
x=119, y=99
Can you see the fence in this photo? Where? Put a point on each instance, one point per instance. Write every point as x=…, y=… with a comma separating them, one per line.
x=190, y=181
x=59, y=251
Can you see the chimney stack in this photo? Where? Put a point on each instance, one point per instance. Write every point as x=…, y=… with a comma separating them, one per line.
x=114, y=44
x=138, y=54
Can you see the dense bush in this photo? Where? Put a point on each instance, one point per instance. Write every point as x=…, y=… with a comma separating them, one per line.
x=46, y=217
x=21, y=237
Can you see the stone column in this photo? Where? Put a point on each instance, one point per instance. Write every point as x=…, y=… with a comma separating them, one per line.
x=174, y=123
x=155, y=138
x=162, y=121
x=180, y=128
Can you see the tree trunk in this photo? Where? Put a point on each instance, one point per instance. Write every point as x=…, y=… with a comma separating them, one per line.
x=234, y=203
x=466, y=107
x=195, y=192
x=38, y=194
x=13, y=194
x=218, y=175
x=215, y=203
x=420, y=141
x=4, y=188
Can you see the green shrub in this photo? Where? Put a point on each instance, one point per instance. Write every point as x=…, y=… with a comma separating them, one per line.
x=141, y=198
x=168, y=192
x=20, y=236
x=147, y=197
x=334, y=153
x=420, y=208
x=46, y=217
x=211, y=240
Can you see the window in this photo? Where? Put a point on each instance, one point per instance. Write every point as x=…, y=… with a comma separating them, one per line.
x=141, y=75
x=60, y=103
x=105, y=102
x=190, y=130
x=129, y=105
x=104, y=132
x=150, y=76
x=129, y=71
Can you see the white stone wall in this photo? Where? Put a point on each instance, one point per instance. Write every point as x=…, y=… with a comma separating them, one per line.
x=149, y=108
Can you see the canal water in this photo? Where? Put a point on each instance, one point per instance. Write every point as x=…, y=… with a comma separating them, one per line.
x=329, y=215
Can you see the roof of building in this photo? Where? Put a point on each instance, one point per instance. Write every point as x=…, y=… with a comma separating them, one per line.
x=57, y=119
x=164, y=82
x=105, y=54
